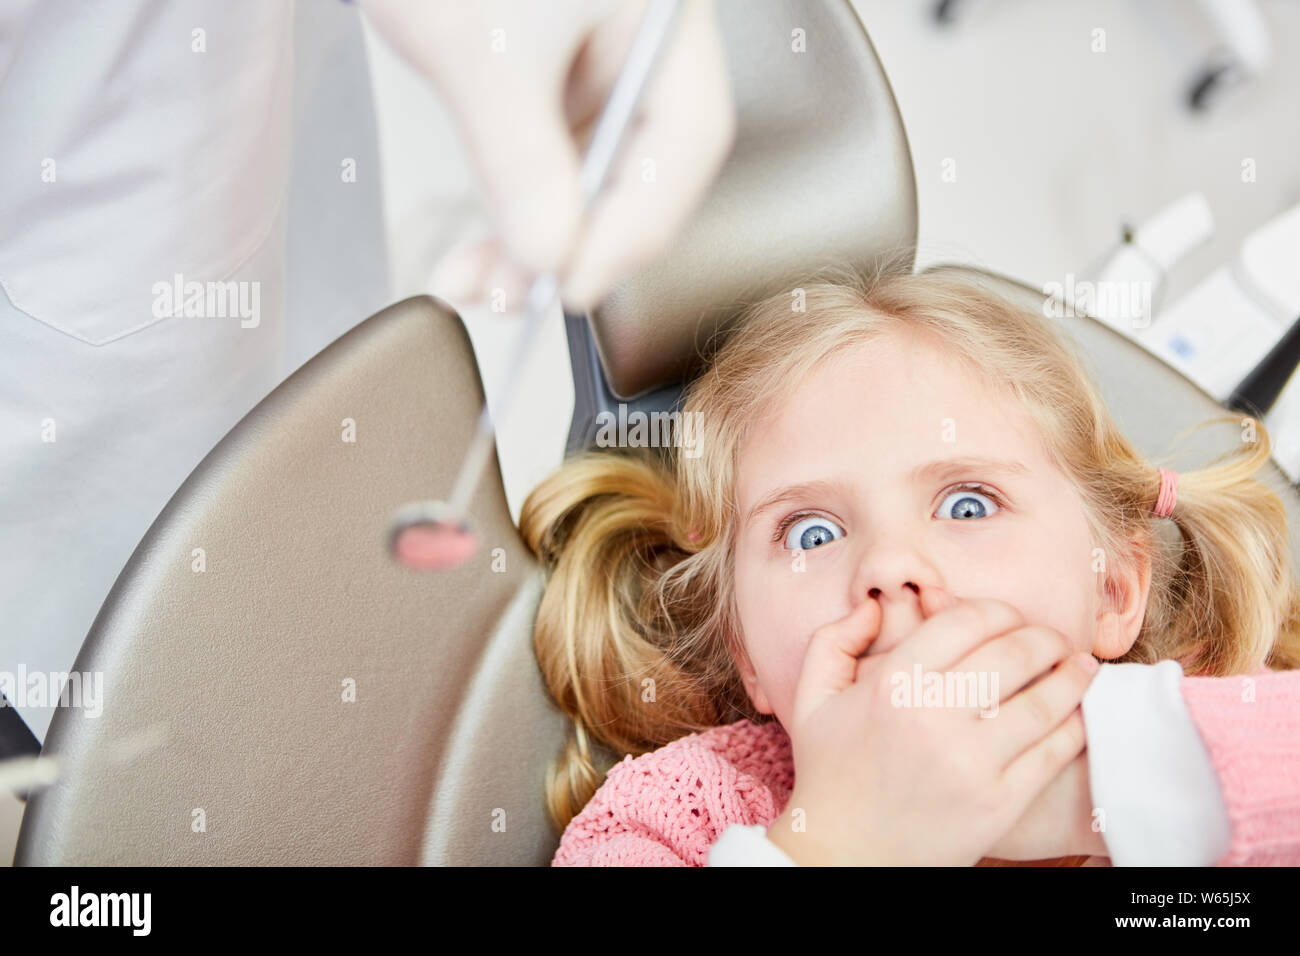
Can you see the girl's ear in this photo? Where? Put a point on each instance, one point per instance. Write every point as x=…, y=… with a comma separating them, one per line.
x=1125, y=587
x=756, y=695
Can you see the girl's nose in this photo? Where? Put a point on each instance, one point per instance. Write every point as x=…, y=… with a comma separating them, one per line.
x=895, y=572
x=900, y=614
x=877, y=593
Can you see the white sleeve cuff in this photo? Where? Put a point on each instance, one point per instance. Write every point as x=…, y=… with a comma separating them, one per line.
x=742, y=845
x=1151, y=776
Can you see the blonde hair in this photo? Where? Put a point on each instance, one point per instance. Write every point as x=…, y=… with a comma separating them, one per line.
x=638, y=545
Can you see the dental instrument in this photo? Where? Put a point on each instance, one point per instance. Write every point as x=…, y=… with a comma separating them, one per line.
x=436, y=535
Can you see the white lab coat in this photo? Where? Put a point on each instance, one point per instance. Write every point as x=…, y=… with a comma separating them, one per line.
x=141, y=140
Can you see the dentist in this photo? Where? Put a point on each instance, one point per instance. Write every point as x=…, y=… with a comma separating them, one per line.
x=190, y=209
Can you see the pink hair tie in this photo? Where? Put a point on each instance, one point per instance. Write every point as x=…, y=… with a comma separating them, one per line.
x=1168, y=493
x=693, y=536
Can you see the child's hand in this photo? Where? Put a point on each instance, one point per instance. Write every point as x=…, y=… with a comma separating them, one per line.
x=1058, y=823
x=890, y=785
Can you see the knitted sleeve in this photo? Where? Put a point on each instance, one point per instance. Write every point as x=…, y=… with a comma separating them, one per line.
x=666, y=808
x=1251, y=728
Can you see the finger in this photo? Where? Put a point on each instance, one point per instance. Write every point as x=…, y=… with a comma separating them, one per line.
x=934, y=600
x=481, y=272
x=830, y=662
x=1038, y=766
x=947, y=637
x=462, y=274
x=1016, y=659
x=507, y=287
x=1030, y=715
x=672, y=155
x=597, y=65
x=526, y=161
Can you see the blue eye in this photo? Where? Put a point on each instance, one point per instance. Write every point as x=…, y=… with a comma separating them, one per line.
x=966, y=504
x=811, y=532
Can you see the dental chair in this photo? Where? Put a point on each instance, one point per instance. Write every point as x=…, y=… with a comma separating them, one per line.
x=278, y=691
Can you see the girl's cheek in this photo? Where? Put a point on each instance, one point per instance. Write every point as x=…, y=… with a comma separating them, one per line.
x=782, y=652
x=1060, y=601
x=785, y=685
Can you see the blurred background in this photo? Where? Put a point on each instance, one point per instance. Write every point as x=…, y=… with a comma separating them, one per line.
x=1050, y=147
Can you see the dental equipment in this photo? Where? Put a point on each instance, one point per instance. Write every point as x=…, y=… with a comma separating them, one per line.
x=435, y=535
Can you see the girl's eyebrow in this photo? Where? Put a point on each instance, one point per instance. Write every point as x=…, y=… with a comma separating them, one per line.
x=945, y=467
x=933, y=470
x=804, y=489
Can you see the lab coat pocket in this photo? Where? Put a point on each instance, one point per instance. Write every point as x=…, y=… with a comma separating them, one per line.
x=145, y=162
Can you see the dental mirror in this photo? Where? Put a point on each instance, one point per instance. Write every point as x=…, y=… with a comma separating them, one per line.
x=438, y=536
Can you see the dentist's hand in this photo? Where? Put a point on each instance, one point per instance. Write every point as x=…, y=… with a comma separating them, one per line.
x=878, y=784
x=526, y=82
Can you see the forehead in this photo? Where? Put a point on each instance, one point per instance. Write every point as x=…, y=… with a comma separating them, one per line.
x=877, y=410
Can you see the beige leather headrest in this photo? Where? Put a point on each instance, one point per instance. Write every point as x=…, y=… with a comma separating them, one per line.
x=820, y=173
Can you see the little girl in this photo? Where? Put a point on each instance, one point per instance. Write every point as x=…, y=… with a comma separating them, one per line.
x=877, y=449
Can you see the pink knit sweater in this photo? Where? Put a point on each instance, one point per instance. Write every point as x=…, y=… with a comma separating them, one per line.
x=1251, y=728
x=667, y=808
